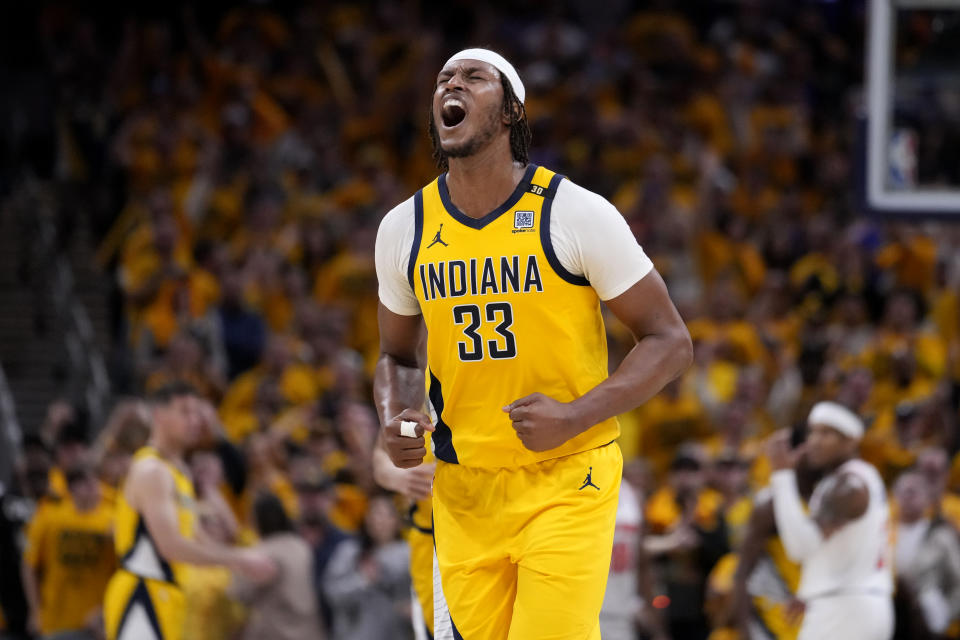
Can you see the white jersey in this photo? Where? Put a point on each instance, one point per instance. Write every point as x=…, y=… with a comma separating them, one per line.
x=857, y=558
x=621, y=597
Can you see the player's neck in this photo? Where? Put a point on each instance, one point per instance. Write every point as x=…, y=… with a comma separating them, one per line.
x=480, y=183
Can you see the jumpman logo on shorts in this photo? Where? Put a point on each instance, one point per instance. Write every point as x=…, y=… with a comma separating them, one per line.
x=589, y=481
x=437, y=238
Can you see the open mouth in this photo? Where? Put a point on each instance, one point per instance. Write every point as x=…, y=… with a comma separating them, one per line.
x=452, y=113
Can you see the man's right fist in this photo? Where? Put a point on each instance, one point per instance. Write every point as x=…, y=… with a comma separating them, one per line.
x=404, y=451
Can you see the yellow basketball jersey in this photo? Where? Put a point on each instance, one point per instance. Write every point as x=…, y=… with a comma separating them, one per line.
x=136, y=551
x=504, y=320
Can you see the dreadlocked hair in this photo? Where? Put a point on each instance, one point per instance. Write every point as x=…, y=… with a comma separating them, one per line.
x=520, y=135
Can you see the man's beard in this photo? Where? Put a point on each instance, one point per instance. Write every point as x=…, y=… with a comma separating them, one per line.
x=480, y=139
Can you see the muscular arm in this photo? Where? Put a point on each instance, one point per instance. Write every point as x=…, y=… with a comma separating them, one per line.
x=398, y=386
x=847, y=500
x=800, y=533
x=151, y=491
x=663, y=352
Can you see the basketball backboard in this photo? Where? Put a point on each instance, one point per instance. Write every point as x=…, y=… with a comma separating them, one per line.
x=913, y=107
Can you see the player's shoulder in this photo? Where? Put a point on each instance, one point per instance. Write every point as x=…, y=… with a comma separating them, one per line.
x=400, y=213
x=577, y=205
x=860, y=469
x=569, y=192
x=398, y=221
x=149, y=473
x=854, y=482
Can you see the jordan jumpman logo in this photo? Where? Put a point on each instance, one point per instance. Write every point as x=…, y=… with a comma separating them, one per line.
x=437, y=238
x=589, y=481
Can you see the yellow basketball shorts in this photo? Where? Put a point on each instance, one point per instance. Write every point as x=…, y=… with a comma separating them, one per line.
x=524, y=553
x=136, y=608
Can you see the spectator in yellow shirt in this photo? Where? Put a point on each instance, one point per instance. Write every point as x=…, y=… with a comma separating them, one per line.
x=69, y=559
x=261, y=394
x=668, y=419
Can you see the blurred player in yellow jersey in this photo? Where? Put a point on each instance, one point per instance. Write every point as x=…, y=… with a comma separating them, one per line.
x=156, y=534
x=505, y=264
x=415, y=484
x=69, y=558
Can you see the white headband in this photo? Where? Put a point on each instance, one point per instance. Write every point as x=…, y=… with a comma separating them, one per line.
x=837, y=417
x=499, y=62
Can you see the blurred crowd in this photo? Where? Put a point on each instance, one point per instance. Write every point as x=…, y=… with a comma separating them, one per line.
x=234, y=165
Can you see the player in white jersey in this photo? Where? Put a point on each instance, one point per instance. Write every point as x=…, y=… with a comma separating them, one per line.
x=843, y=544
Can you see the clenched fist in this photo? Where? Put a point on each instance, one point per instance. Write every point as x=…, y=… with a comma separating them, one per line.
x=541, y=422
x=404, y=451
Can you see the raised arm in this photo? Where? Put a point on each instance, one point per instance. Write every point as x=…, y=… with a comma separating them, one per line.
x=398, y=387
x=801, y=533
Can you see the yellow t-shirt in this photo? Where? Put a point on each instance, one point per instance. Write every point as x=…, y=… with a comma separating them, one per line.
x=74, y=553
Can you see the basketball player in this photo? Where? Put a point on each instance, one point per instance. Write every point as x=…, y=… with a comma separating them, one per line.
x=508, y=289
x=843, y=544
x=154, y=529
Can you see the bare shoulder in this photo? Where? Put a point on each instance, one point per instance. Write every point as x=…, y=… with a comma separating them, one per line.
x=847, y=499
x=148, y=477
x=850, y=484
